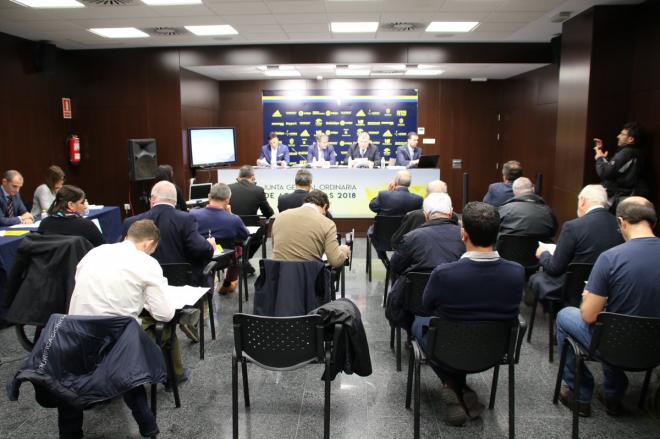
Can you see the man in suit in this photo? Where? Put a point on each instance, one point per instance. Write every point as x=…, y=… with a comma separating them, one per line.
x=526, y=214
x=416, y=218
x=581, y=240
x=364, y=149
x=305, y=234
x=273, y=149
x=395, y=201
x=12, y=209
x=409, y=155
x=499, y=193
x=435, y=242
x=295, y=199
x=216, y=220
x=246, y=199
x=321, y=152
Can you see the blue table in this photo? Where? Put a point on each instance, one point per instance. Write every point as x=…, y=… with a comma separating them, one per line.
x=108, y=217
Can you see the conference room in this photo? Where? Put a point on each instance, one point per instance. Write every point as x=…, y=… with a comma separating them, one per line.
x=221, y=100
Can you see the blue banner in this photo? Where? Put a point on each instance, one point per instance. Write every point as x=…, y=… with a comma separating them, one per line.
x=387, y=115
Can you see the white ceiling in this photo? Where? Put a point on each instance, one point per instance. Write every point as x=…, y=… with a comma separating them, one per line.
x=290, y=21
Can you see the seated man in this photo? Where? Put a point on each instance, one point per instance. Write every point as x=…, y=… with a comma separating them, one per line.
x=624, y=280
x=321, y=153
x=12, y=209
x=305, y=234
x=364, y=150
x=435, y=242
x=581, y=240
x=397, y=200
x=217, y=221
x=499, y=193
x=303, y=182
x=479, y=286
x=416, y=218
x=273, y=153
x=122, y=280
x=526, y=214
x=409, y=154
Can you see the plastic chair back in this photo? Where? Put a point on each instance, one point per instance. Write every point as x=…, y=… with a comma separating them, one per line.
x=414, y=290
x=520, y=249
x=576, y=275
x=472, y=346
x=384, y=228
x=279, y=343
x=178, y=274
x=627, y=342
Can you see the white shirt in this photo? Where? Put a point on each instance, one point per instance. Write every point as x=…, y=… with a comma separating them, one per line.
x=120, y=280
x=411, y=151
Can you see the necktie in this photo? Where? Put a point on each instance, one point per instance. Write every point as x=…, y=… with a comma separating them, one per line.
x=10, y=206
x=362, y=151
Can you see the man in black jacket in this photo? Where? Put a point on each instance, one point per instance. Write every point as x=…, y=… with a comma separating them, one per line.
x=581, y=240
x=363, y=150
x=295, y=199
x=526, y=214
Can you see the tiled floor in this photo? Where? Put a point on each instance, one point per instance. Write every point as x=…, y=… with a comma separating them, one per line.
x=290, y=405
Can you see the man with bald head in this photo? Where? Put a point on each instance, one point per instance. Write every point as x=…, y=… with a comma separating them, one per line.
x=12, y=209
x=624, y=280
x=435, y=242
x=526, y=214
x=416, y=218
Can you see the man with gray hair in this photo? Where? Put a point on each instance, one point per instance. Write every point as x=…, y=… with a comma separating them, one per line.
x=435, y=242
x=581, y=240
x=217, y=221
x=415, y=218
x=499, y=193
x=526, y=214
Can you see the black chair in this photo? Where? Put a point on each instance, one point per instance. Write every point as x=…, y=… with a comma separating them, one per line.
x=280, y=343
x=571, y=295
x=520, y=249
x=384, y=228
x=471, y=347
x=629, y=343
x=414, y=289
x=262, y=234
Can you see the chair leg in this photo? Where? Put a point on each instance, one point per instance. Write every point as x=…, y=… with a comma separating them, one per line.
x=234, y=396
x=326, y=405
x=512, y=402
x=493, y=387
x=246, y=388
x=343, y=281
x=532, y=317
x=551, y=333
x=209, y=300
x=200, y=329
x=560, y=372
x=411, y=361
x=369, y=258
x=645, y=387
x=417, y=399
x=576, y=392
x=245, y=279
x=392, y=333
x=172, y=378
x=387, y=281
x=240, y=290
x=263, y=246
x=398, y=349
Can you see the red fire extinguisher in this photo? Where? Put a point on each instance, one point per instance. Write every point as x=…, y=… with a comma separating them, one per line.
x=74, y=149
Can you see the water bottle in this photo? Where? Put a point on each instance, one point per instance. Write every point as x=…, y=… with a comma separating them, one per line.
x=273, y=161
x=382, y=162
x=350, y=161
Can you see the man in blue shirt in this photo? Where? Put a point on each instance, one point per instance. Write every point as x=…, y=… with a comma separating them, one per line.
x=624, y=280
x=12, y=209
x=479, y=286
x=409, y=154
x=498, y=193
x=217, y=221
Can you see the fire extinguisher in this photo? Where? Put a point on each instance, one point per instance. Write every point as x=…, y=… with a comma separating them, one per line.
x=74, y=149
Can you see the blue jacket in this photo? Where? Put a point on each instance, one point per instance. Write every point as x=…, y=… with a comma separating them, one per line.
x=398, y=202
x=225, y=227
x=19, y=209
x=403, y=155
x=329, y=154
x=282, y=153
x=498, y=194
x=180, y=241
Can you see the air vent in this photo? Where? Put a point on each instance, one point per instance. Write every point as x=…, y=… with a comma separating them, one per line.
x=444, y=35
x=223, y=38
x=166, y=31
x=561, y=17
x=400, y=26
x=110, y=2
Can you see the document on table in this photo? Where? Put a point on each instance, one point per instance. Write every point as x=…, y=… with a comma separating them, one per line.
x=548, y=247
x=26, y=226
x=183, y=296
x=253, y=229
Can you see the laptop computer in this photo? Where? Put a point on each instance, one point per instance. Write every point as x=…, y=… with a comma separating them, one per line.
x=428, y=161
x=199, y=193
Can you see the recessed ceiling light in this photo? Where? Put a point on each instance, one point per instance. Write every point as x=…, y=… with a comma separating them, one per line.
x=452, y=26
x=119, y=32
x=352, y=72
x=170, y=2
x=219, y=29
x=478, y=79
x=426, y=72
x=353, y=26
x=281, y=73
x=50, y=3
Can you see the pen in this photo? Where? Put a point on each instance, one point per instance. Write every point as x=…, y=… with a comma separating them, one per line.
x=209, y=233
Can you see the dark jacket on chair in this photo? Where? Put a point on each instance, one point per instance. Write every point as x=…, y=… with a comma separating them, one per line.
x=81, y=361
x=352, y=349
x=247, y=197
x=527, y=215
x=290, y=288
x=43, y=276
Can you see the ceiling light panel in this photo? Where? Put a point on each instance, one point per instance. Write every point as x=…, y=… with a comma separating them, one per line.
x=220, y=29
x=50, y=4
x=282, y=73
x=171, y=2
x=452, y=26
x=354, y=26
x=424, y=72
x=352, y=72
x=119, y=32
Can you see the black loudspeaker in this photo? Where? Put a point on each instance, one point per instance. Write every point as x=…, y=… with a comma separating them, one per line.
x=44, y=56
x=142, y=159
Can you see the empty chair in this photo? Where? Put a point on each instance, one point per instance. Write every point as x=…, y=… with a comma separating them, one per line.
x=520, y=249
